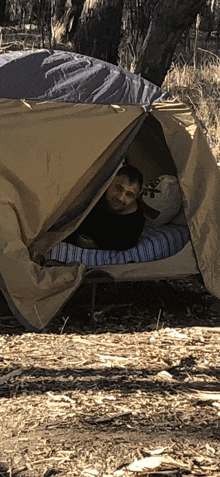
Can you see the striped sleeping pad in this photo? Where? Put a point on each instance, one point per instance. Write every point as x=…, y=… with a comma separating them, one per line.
x=156, y=243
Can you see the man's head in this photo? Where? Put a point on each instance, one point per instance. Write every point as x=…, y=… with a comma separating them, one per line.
x=122, y=194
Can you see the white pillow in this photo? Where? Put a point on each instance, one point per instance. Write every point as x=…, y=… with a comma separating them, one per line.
x=162, y=200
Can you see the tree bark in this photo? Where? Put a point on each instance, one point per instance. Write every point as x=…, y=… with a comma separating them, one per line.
x=2, y=11
x=169, y=20
x=137, y=16
x=99, y=29
x=64, y=19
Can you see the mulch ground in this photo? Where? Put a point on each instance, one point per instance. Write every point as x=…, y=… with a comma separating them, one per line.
x=134, y=392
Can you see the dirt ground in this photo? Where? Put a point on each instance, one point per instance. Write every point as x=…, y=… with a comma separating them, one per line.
x=135, y=392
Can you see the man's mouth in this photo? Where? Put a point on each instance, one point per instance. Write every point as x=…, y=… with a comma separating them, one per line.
x=118, y=202
x=115, y=204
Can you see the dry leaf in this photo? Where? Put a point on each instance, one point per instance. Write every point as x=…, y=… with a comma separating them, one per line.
x=211, y=449
x=61, y=397
x=158, y=451
x=90, y=473
x=140, y=465
x=167, y=376
x=176, y=334
x=174, y=463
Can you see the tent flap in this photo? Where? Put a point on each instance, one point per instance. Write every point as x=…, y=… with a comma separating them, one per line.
x=56, y=161
x=34, y=293
x=199, y=179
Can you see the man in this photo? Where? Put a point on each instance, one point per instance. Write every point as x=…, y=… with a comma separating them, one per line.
x=116, y=222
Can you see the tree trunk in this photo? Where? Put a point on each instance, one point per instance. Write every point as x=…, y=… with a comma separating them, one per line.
x=2, y=11
x=140, y=35
x=99, y=29
x=137, y=16
x=64, y=19
x=154, y=51
x=57, y=23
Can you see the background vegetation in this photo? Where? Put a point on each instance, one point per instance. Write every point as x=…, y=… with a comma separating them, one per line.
x=174, y=44
x=199, y=86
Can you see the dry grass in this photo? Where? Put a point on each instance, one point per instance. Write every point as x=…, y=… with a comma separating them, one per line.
x=200, y=88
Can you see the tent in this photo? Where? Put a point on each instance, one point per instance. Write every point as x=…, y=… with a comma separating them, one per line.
x=66, y=123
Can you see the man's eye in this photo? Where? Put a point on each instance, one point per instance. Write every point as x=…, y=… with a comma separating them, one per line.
x=130, y=195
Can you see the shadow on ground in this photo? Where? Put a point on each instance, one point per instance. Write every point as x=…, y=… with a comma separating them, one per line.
x=41, y=380
x=6, y=472
x=199, y=418
x=128, y=307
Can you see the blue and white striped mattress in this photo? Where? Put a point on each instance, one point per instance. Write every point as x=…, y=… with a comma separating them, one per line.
x=156, y=244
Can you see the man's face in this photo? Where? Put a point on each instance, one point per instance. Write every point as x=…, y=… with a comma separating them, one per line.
x=121, y=195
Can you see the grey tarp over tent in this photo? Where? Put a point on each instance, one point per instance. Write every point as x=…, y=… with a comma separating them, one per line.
x=66, y=122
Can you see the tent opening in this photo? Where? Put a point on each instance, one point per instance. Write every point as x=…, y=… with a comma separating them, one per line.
x=165, y=231
x=149, y=151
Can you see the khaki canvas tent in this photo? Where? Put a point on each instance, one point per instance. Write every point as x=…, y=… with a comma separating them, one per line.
x=66, y=122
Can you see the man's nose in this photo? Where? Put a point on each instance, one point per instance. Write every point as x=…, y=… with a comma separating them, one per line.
x=122, y=196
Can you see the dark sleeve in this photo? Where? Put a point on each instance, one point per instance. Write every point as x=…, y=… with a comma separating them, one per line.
x=110, y=231
x=128, y=232
x=133, y=230
x=88, y=227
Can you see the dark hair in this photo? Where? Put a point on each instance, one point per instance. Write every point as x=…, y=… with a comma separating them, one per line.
x=132, y=173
